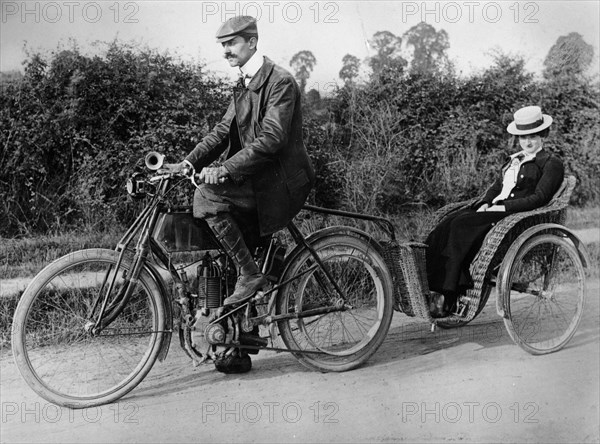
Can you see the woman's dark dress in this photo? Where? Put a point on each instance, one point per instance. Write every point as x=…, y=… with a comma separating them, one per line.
x=453, y=244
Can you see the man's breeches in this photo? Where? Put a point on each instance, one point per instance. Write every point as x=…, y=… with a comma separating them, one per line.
x=209, y=200
x=218, y=204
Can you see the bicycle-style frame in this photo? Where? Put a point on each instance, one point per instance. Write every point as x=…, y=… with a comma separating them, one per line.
x=145, y=225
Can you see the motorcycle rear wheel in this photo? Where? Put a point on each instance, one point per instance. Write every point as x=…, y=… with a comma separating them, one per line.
x=340, y=340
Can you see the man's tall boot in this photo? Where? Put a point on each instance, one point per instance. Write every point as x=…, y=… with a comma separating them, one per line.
x=250, y=279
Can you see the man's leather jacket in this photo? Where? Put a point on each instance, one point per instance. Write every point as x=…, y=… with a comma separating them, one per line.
x=260, y=137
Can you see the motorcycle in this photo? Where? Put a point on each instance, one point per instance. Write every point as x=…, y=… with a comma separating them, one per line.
x=91, y=325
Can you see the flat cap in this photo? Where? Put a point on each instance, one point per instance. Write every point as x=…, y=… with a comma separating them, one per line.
x=241, y=24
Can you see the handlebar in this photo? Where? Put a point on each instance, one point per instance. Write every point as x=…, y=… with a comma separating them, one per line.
x=188, y=172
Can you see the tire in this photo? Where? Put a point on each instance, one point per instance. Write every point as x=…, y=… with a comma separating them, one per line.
x=544, y=294
x=345, y=339
x=59, y=359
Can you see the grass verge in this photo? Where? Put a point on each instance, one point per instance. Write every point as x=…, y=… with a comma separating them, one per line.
x=26, y=257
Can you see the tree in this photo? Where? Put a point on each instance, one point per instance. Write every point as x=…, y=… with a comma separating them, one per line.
x=571, y=98
x=350, y=67
x=388, y=57
x=10, y=76
x=429, y=53
x=313, y=98
x=570, y=55
x=303, y=63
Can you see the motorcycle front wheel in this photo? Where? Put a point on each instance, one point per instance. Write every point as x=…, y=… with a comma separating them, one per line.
x=53, y=346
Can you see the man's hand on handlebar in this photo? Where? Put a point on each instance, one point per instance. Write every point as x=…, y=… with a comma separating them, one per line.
x=213, y=176
x=210, y=175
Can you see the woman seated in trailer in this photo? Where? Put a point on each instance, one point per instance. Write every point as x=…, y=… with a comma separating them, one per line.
x=528, y=180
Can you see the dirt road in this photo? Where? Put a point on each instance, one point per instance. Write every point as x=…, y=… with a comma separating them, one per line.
x=470, y=384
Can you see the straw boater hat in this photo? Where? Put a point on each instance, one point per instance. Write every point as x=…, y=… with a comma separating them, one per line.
x=529, y=120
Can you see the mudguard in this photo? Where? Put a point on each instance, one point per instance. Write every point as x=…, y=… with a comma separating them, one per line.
x=511, y=254
x=326, y=232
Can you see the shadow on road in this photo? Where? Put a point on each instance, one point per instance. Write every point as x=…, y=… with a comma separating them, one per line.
x=406, y=341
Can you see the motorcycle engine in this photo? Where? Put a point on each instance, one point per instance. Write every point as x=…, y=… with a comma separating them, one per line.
x=214, y=280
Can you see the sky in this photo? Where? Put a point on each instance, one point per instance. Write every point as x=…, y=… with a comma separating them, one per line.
x=330, y=29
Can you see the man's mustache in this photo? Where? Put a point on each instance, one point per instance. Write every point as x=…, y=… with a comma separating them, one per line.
x=226, y=56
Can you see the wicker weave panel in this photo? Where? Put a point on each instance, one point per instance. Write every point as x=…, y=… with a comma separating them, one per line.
x=411, y=292
x=391, y=255
x=407, y=264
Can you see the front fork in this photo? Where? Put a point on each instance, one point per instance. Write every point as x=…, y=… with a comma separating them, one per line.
x=109, y=312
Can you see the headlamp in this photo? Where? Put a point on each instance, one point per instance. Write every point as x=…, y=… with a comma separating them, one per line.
x=137, y=187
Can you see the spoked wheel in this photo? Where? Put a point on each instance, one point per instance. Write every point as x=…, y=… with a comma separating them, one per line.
x=54, y=349
x=341, y=340
x=544, y=294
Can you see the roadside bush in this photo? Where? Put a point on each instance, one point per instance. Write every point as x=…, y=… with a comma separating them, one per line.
x=320, y=138
x=74, y=128
x=430, y=139
x=574, y=103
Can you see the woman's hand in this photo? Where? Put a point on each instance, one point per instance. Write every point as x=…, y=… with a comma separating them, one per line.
x=486, y=207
